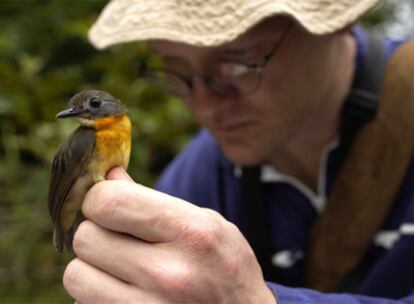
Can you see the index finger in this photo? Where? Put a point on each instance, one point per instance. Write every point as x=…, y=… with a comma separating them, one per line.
x=137, y=210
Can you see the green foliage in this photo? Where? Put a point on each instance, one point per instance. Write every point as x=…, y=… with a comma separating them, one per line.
x=381, y=16
x=45, y=58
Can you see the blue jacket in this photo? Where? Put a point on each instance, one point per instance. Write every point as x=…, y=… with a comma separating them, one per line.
x=202, y=175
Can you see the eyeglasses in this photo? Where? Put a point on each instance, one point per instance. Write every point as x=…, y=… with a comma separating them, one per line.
x=225, y=78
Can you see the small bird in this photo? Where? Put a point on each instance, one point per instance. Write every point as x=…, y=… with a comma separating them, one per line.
x=101, y=142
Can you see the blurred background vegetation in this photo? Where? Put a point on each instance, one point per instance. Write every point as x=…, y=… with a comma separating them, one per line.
x=44, y=59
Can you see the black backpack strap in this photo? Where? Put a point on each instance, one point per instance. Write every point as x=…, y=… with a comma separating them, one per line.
x=257, y=232
x=362, y=102
x=360, y=106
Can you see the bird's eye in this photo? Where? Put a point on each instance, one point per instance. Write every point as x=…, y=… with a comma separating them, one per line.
x=95, y=102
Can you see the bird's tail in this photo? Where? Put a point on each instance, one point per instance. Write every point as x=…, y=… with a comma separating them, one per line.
x=58, y=239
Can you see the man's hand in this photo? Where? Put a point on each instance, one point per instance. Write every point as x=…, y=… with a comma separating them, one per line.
x=139, y=245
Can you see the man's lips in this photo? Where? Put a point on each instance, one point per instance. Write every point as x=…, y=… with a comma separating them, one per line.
x=230, y=127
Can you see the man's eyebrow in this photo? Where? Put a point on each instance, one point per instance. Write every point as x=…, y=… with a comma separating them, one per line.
x=238, y=51
x=159, y=51
x=240, y=48
x=171, y=57
x=174, y=59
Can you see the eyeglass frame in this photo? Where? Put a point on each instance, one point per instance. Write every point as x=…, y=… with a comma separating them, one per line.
x=208, y=79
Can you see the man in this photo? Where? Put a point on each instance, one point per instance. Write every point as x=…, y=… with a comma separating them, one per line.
x=268, y=91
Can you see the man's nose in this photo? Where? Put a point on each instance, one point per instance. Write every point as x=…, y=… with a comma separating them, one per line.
x=204, y=97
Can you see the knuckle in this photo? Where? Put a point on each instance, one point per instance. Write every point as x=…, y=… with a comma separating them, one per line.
x=242, y=255
x=82, y=235
x=232, y=265
x=105, y=200
x=216, y=236
x=205, y=232
x=176, y=280
x=71, y=275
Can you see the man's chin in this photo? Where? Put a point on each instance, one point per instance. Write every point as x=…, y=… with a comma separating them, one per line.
x=242, y=156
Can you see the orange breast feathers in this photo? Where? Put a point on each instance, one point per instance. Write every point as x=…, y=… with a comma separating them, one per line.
x=113, y=144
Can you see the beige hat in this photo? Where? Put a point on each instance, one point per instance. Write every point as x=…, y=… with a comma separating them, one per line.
x=214, y=22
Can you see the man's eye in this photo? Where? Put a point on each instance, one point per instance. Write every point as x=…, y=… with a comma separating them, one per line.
x=177, y=66
x=242, y=54
x=233, y=69
x=173, y=67
x=250, y=55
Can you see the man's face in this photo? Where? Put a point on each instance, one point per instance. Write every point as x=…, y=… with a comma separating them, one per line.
x=294, y=92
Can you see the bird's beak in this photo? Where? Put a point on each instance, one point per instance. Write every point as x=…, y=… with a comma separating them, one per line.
x=70, y=112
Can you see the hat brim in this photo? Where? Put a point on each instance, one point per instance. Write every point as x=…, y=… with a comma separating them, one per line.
x=124, y=21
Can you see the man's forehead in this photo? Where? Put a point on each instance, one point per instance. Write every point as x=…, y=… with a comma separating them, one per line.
x=270, y=26
x=266, y=28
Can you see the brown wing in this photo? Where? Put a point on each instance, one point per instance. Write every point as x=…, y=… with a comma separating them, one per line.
x=71, y=158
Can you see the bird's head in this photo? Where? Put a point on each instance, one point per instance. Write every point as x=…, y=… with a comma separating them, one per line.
x=91, y=105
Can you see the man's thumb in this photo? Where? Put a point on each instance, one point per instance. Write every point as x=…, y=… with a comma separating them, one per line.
x=118, y=173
